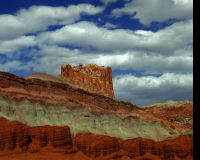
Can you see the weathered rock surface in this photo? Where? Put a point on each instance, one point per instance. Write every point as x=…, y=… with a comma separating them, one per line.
x=95, y=77
x=38, y=102
x=50, y=117
x=181, y=147
x=56, y=93
x=96, y=145
x=15, y=137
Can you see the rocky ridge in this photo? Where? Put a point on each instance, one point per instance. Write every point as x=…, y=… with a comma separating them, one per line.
x=51, y=114
x=95, y=77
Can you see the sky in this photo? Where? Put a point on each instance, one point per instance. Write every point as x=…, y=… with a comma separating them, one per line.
x=148, y=43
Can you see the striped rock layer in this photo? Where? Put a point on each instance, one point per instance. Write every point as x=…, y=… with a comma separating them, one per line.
x=49, y=118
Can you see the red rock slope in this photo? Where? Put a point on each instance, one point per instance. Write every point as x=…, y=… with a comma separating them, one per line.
x=45, y=117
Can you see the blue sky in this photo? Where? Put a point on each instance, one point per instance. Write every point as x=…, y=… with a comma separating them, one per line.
x=148, y=43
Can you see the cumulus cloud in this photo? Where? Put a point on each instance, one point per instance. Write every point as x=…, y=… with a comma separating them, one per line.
x=134, y=60
x=10, y=65
x=82, y=34
x=106, y=2
x=143, y=90
x=156, y=10
x=13, y=45
x=38, y=18
x=26, y=46
x=47, y=59
x=149, y=90
x=163, y=43
x=110, y=25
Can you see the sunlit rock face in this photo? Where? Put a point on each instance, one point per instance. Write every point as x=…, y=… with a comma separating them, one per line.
x=47, y=117
x=20, y=141
x=18, y=136
x=93, y=76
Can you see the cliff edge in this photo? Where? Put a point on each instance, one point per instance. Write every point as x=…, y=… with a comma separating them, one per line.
x=67, y=117
x=93, y=76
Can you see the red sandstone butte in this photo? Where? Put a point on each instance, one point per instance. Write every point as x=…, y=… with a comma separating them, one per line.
x=21, y=141
x=95, y=77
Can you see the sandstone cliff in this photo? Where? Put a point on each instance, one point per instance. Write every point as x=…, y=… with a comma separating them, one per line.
x=23, y=141
x=94, y=77
x=50, y=117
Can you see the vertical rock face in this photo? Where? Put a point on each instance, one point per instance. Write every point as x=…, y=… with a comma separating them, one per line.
x=95, y=77
x=15, y=135
x=95, y=145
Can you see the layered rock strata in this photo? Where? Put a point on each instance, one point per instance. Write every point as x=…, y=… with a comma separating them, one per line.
x=93, y=76
x=17, y=136
x=20, y=139
x=47, y=117
x=36, y=103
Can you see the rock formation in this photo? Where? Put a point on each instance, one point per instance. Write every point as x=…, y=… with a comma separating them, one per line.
x=43, y=117
x=19, y=138
x=93, y=76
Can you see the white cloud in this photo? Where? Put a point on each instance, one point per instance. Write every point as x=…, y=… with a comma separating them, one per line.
x=150, y=63
x=48, y=59
x=13, y=45
x=144, y=90
x=156, y=10
x=10, y=65
x=126, y=49
x=38, y=18
x=87, y=34
x=165, y=42
x=148, y=89
x=168, y=51
x=110, y=25
x=52, y=56
x=106, y=2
